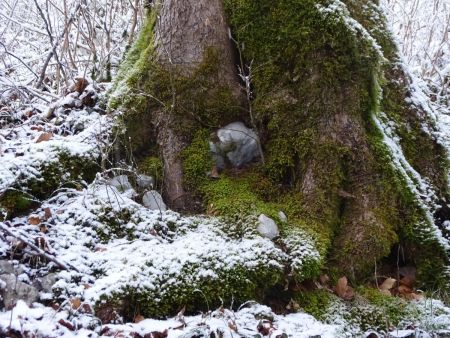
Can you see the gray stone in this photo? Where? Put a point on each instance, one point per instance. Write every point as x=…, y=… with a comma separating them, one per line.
x=121, y=183
x=6, y=267
x=282, y=216
x=153, y=201
x=236, y=143
x=267, y=227
x=13, y=290
x=47, y=282
x=144, y=181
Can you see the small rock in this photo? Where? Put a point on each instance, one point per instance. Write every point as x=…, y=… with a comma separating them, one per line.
x=15, y=290
x=267, y=227
x=48, y=281
x=121, y=183
x=145, y=182
x=153, y=201
x=237, y=143
x=282, y=216
x=6, y=267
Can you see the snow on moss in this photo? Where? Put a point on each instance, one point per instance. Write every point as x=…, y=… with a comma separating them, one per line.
x=419, y=185
x=121, y=248
x=339, y=9
x=79, y=134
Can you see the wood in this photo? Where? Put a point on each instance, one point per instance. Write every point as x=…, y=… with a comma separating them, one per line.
x=184, y=30
x=64, y=266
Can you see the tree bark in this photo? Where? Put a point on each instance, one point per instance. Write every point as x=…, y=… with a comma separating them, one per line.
x=184, y=30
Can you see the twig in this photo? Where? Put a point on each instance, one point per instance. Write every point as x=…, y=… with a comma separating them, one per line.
x=64, y=266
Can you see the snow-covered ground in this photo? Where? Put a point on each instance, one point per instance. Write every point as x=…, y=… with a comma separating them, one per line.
x=161, y=244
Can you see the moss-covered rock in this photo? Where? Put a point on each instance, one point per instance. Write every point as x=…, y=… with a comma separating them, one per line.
x=65, y=171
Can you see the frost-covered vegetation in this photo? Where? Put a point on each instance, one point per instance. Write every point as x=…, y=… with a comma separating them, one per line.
x=338, y=223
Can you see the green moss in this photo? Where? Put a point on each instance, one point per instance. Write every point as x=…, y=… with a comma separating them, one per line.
x=115, y=224
x=238, y=285
x=394, y=309
x=197, y=161
x=16, y=202
x=68, y=171
x=315, y=303
x=152, y=166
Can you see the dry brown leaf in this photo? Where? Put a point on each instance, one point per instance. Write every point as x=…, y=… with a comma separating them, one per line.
x=138, y=319
x=343, y=290
x=47, y=213
x=215, y=172
x=75, y=303
x=66, y=324
x=44, y=137
x=324, y=279
x=388, y=284
x=341, y=287
x=34, y=220
x=232, y=325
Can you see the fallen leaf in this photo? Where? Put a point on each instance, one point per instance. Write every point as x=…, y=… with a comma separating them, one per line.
x=86, y=308
x=44, y=137
x=75, y=303
x=341, y=287
x=66, y=324
x=138, y=319
x=232, y=325
x=157, y=334
x=388, y=284
x=324, y=279
x=47, y=213
x=34, y=220
x=215, y=172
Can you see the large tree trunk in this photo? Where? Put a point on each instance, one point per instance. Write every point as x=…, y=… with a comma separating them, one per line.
x=323, y=116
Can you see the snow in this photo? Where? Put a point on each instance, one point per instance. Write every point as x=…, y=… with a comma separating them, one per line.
x=157, y=252
x=43, y=321
x=78, y=134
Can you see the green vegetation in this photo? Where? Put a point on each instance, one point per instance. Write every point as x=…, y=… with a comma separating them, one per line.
x=319, y=80
x=66, y=172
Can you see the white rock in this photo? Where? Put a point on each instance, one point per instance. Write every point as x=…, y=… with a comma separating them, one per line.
x=153, y=201
x=144, y=181
x=237, y=143
x=121, y=183
x=282, y=216
x=267, y=227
